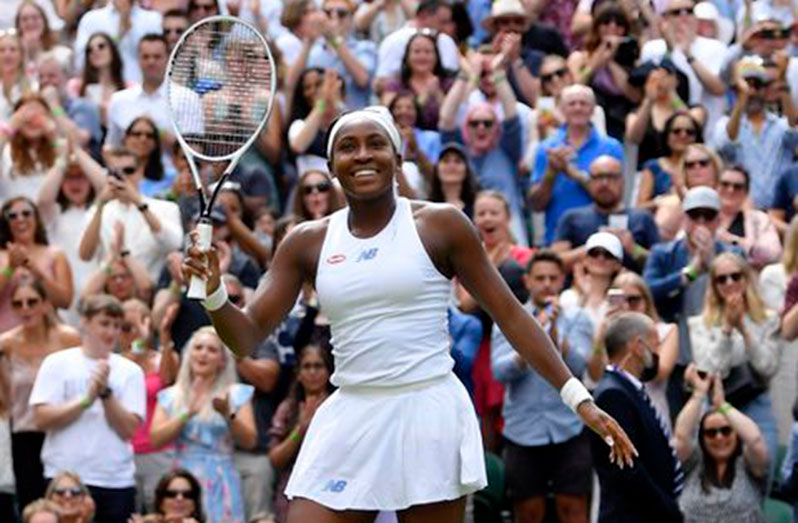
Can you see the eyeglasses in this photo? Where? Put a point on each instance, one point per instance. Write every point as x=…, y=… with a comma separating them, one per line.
x=175, y=493
x=734, y=186
x=24, y=214
x=704, y=162
x=235, y=299
x=684, y=131
x=681, y=11
x=722, y=279
x=321, y=187
x=714, y=432
x=142, y=134
x=559, y=73
x=71, y=492
x=758, y=83
x=705, y=215
x=474, y=124
x=600, y=253
x=604, y=177
x=27, y=303
x=339, y=13
x=633, y=300
x=773, y=34
x=313, y=366
x=101, y=46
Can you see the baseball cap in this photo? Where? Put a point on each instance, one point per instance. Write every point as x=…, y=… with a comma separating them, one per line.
x=607, y=241
x=701, y=198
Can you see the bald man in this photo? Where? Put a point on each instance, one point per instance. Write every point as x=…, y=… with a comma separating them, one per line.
x=634, y=227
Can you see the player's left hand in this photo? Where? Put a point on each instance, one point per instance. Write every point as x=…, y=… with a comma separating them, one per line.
x=622, y=451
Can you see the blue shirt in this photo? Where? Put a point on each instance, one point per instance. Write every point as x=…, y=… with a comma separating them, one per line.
x=786, y=190
x=566, y=193
x=534, y=414
x=466, y=332
x=324, y=56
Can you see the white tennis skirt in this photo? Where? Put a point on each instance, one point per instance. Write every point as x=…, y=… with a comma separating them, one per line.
x=371, y=448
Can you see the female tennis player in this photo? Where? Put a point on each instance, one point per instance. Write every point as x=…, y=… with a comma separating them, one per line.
x=400, y=432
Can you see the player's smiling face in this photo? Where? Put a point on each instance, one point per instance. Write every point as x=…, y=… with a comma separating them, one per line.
x=364, y=160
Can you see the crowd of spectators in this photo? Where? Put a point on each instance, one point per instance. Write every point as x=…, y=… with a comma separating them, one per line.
x=631, y=167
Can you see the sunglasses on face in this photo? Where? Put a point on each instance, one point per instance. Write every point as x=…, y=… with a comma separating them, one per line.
x=600, y=253
x=27, y=303
x=24, y=214
x=713, y=432
x=683, y=131
x=559, y=73
x=705, y=215
x=722, y=279
x=734, y=186
x=71, y=492
x=617, y=20
x=474, y=124
x=127, y=171
x=175, y=493
x=175, y=30
x=321, y=187
x=142, y=134
x=681, y=11
x=340, y=13
x=690, y=164
x=773, y=34
x=633, y=300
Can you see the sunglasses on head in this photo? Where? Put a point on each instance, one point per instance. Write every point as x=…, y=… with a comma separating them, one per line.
x=340, y=12
x=734, y=186
x=722, y=279
x=24, y=214
x=713, y=432
x=704, y=162
x=174, y=493
x=600, y=253
x=72, y=492
x=559, y=73
x=28, y=303
x=706, y=215
x=321, y=187
x=681, y=11
x=684, y=131
x=474, y=124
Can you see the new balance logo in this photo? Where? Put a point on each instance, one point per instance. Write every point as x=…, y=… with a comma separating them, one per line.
x=335, y=486
x=367, y=255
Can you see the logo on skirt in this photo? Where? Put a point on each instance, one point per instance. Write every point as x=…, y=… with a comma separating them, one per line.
x=335, y=486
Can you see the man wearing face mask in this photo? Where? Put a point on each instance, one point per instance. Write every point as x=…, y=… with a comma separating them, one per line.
x=647, y=491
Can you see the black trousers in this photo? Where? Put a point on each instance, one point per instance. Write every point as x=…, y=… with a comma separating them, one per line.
x=26, y=450
x=114, y=505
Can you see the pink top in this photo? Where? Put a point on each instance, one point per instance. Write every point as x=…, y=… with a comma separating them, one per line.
x=141, y=439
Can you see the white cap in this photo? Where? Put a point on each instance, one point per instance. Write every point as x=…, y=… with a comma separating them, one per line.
x=701, y=198
x=607, y=241
x=724, y=26
x=502, y=8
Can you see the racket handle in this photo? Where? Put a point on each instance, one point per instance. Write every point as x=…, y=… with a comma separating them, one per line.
x=197, y=289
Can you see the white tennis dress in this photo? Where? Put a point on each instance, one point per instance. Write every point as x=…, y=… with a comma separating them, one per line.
x=401, y=429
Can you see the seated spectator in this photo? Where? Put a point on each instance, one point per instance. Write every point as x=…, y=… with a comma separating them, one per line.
x=492, y=220
x=381, y=18
x=23, y=348
x=741, y=225
x=137, y=343
x=294, y=414
x=141, y=137
x=128, y=23
x=423, y=75
x=152, y=227
x=14, y=79
x=72, y=497
x=178, y=497
x=36, y=36
x=204, y=412
x=662, y=176
x=41, y=511
x=727, y=471
x=609, y=54
x=453, y=180
x=538, y=427
x=315, y=196
x=560, y=178
x=88, y=398
x=737, y=338
x=102, y=74
x=493, y=148
x=30, y=145
x=318, y=100
x=421, y=148
x=634, y=227
x=27, y=252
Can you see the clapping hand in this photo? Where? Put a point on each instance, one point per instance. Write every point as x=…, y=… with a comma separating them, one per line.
x=734, y=312
x=221, y=404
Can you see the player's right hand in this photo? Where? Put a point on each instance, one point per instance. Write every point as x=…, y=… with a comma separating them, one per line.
x=202, y=264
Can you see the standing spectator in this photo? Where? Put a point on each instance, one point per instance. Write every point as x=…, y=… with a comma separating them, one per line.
x=36, y=36
x=102, y=74
x=88, y=398
x=769, y=139
x=775, y=278
x=294, y=414
x=648, y=490
x=141, y=137
x=173, y=24
x=153, y=227
x=14, y=80
x=300, y=18
x=727, y=470
x=199, y=9
x=127, y=23
x=634, y=227
x=72, y=497
x=315, y=196
x=23, y=348
x=546, y=448
x=453, y=180
x=178, y=496
x=560, y=178
x=381, y=18
x=204, y=412
x=421, y=147
x=751, y=229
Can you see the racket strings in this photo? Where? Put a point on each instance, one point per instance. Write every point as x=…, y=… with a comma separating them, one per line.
x=220, y=87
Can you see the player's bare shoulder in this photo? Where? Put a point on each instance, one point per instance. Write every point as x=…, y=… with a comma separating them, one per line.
x=303, y=245
x=441, y=226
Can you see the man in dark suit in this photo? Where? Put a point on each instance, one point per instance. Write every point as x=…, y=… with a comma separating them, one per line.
x=648, y=490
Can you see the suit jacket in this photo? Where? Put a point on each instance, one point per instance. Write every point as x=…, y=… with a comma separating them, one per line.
x=643, y=492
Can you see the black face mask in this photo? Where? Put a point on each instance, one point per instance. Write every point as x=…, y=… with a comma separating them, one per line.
x=651, y=368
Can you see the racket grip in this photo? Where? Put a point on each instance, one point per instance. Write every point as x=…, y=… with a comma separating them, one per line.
x=197, y=289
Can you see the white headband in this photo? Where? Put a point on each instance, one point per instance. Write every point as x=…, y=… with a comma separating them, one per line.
x=375, y=113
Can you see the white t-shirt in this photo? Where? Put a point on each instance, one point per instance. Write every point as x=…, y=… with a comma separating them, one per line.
x=392, y=50
x=89, y=446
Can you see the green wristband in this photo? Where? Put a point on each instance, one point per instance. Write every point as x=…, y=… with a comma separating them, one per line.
x=321, y=104
x=295, y=435
x=639, y=251
x=725, y=408
x=85, y=402
x=183, y=417
x=58, y=112
x=8, y=272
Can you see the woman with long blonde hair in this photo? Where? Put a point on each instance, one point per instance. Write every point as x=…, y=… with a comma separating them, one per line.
x=205, y=412
x=15, y=82
x=737, y=337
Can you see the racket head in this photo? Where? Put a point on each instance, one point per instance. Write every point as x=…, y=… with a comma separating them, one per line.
x=220, y=86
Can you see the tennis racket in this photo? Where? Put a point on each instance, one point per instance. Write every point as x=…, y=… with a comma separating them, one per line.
x=220, y=86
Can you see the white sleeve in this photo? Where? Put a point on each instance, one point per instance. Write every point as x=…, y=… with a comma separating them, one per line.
x=84, y=32
x=584, y=6
x=133, y=395
x=171, y=234
x=387, y=62
x=114, y=136
x=48, y=387
x=450, y=55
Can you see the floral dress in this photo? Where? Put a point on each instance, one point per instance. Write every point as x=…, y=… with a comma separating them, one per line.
x=205, y=448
